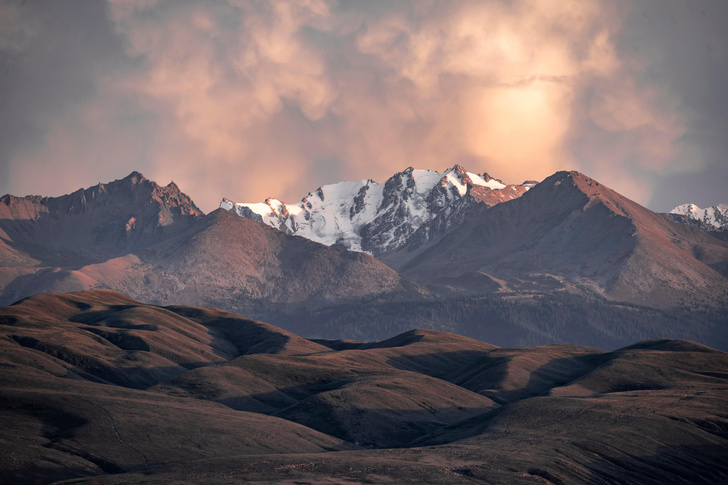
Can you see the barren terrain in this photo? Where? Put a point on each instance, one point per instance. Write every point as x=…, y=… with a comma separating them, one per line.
x=95, y=384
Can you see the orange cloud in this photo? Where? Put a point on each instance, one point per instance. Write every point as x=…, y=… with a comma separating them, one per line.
x=254, y=99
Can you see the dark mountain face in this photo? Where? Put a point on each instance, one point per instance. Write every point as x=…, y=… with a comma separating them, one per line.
x=512, y=319
x=570, y=232
x=95, y=386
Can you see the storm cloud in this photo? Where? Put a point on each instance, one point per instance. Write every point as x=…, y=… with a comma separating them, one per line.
x=250, y=99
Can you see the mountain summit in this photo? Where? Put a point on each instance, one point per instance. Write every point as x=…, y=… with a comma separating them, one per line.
x=572, y=230
x=96, y=223
x=379, y=217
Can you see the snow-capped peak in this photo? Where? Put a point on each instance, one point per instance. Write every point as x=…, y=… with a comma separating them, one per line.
x=376, y=217
x=716, y=216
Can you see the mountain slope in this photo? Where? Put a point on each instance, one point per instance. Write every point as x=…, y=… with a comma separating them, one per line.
x=571, y=232
x=44, y=240
x=377, y=218
x=73, y=369
x=241, y=264
x=104, y=336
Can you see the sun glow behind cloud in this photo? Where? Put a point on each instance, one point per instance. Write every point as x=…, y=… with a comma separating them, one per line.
x=249, y=99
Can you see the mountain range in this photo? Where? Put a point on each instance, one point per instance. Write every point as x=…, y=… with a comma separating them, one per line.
x=567, y=259
x=98, y=388
x=570, y=232
x=713, y=220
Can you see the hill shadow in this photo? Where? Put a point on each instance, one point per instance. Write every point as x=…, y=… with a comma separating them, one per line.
x=338, y=344
x=704, y=464
x=96, y=370
x=281, y=399
x=443, y=365
x=555, y=373
x=383, y=427
x=245, y=335
x=484, y=374
x=355, y=422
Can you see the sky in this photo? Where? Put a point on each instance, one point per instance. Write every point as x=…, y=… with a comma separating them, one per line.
x=255, y=99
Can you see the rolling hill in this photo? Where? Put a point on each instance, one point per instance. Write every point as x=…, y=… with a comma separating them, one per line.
x=98, y=386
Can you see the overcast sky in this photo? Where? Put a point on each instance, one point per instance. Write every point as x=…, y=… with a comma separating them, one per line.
x=250, y=99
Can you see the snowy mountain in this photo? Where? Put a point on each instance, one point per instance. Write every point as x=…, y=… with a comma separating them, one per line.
x=379, y=217
x=566, y=250
x=716, y=216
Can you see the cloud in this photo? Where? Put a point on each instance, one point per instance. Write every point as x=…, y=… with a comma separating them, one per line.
x=249, y=99
x=16, y=30
x=227, y=75
x=53, y=64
